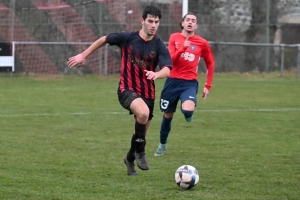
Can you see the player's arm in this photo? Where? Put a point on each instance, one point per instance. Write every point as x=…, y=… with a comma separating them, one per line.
x=210, y=66
x=165, y=63
x=175, y=52
x=79, y=59
x=163, y=73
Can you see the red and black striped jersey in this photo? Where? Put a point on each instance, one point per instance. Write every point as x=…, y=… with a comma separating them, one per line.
x=138, y=55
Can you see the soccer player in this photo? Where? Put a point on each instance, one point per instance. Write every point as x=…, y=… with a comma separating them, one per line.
x=186, y=49
x=141, y=51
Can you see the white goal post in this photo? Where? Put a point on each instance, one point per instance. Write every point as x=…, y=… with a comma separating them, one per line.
x=185, y=7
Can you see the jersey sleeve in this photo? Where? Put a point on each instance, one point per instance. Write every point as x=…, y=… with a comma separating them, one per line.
x=210, y=65
x=164, y=58
x=175, y=53
x=117, y=38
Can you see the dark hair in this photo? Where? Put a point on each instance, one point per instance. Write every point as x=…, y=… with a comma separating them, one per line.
x=183, y=18
x=151, y=10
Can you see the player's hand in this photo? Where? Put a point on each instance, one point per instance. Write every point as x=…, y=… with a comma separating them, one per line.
x=151, y=75
x=187, y=43
x=77, y=60
x=205, y=93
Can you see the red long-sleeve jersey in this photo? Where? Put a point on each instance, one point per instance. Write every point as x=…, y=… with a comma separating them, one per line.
x=186, y=60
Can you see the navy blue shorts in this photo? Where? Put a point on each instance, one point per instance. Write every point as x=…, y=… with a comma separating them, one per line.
x=175, y=89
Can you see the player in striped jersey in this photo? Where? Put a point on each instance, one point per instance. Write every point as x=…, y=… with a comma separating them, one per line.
x=141, y=52
x=186, y=49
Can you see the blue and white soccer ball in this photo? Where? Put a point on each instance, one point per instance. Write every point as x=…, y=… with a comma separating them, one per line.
x=186, y=176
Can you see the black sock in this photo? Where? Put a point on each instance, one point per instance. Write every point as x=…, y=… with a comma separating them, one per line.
x=140, y=137
x=130, y=155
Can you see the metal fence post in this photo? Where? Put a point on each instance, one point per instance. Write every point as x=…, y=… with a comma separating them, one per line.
x=13, y=23
x=282, y=61
x=298, y=62
x=13, y=55
x=100, y=61
x=105, y=60
x=267, y=35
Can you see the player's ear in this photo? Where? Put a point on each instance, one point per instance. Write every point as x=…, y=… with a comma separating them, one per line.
x=181, y=26
x=141, y=20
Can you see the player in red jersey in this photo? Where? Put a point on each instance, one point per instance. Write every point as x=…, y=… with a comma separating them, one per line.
x=141, y=52
x=186, y=49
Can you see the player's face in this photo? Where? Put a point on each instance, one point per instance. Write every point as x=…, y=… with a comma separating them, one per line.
x=190, y=23
x=150, y=25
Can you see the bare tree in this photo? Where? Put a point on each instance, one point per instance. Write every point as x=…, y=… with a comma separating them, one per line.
x=256, y=33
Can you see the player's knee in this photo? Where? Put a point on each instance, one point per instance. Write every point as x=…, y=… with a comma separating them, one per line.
x=187, y=113
x=168, y=115
x=188, y=105
x=143, y=116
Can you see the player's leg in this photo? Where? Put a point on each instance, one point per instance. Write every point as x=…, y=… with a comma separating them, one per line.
x=134, y=103
x=189, y=100
x=168, y=103
x=165, y=129
x=131, y=153
x=130, y=157
x=187, y=110
x=140, y=109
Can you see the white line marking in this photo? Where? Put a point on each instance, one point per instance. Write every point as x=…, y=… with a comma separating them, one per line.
x=43, y=114
x=253, y=109
x=122, y=113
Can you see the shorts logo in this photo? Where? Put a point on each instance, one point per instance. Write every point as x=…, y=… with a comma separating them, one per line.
x=191, y=97
x=134, y=94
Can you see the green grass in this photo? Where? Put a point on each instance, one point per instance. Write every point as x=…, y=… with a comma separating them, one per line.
x=66, y=137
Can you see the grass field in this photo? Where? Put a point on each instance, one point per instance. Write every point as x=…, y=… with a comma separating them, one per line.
x=66, y=137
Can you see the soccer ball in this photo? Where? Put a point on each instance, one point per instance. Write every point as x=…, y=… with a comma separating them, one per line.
x=186, y=176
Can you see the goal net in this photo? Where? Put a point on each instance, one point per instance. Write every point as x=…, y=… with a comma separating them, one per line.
x=48, y=32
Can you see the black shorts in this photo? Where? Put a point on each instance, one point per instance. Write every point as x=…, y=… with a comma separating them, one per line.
x=126, y=97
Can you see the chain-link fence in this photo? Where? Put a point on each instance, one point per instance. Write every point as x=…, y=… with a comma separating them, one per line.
x=245, y=35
